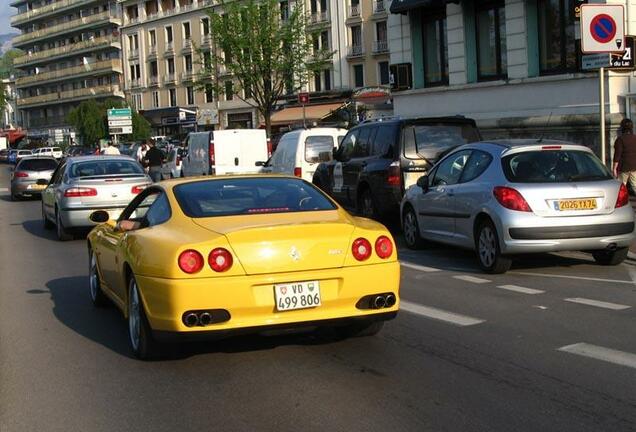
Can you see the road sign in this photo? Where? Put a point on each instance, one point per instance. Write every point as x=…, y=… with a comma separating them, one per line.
x=124, y=130
x=119, y=112
x=624, y=62
x=602, y=28
x=206, y=117
x=595, y=61
x=303, y=98
x=125, y=122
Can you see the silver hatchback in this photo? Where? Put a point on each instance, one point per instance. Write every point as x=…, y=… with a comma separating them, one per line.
x=31, y=175
x=502, y=198
x=82, y=185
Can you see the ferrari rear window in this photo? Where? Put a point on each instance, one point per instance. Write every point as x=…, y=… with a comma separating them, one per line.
x=245, y=196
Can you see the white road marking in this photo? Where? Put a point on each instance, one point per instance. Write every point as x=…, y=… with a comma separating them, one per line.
x=439, y=314
x=471, y=279
x=601, y=304
x=419, y=267
x=601, y=353
x=520, y=289
x=571, y=277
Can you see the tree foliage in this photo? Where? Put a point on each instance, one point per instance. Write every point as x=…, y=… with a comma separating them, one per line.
x=90, y=120
x=6, y=62
x=265, y=51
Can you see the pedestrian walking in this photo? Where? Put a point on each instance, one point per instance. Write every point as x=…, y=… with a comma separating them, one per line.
x=154, y=159
x=624, y=164
x=111, y=149
x=141, y=153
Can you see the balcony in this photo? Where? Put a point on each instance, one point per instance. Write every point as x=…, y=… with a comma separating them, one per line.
x=206, y=40
x=380, y=47
x=67, y=50
x=46, y=10
x=355, y=51
x=46, y=122
x=187, y=76
x=169, y=48
x=319, y=17
x=153, y=81
x=354, y=11
x=71, y=95
x=133, y=83
x=72, y=72
x=169, y=79
x=187, y=45
x=174, y=11
x=133, y=53
x=152, y=51
x=379, y=7
x=71, y=26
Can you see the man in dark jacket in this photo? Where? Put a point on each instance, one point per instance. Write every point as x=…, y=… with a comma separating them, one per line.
x=154, y=159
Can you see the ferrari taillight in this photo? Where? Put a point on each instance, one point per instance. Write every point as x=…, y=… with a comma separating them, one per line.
x=220, y=260
x=383, y=247
x=361, y=249
x=190, y=261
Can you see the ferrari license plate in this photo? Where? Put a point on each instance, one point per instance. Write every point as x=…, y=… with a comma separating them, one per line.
x=576, y=204
x=297, y=295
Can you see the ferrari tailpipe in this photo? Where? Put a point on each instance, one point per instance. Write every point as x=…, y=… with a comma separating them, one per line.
x=389, y=300
x=379, y=302
x=205, y=318
x=191, y=319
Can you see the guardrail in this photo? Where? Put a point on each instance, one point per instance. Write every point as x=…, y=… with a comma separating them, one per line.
x=355, y=50
x=68, y=72
x=70, y=94
x=380, y=46
x=52, y=7
x=61, y=28
x=66, y=49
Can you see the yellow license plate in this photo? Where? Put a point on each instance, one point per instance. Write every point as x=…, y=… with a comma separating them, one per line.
x=577, y=204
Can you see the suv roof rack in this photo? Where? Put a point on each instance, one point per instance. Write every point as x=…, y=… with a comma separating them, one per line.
x=380, y=119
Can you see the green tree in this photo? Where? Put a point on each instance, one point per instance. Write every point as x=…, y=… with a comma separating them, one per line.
x=265, y=49
x=89, y=120
x=141, y=127
x=6, y=62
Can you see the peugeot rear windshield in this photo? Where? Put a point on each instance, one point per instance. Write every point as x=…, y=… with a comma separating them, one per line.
x=105, y=168
x=245, y=196
x=553, y=166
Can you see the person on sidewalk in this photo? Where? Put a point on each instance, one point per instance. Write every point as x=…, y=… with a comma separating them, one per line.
x=624, y=164
x=154, y=159
x=111, y=150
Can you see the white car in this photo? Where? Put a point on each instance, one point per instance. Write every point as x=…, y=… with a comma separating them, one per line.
x=55, y=152
x=300, y=151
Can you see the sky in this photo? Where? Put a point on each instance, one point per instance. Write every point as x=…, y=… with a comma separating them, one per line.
x=6, y=12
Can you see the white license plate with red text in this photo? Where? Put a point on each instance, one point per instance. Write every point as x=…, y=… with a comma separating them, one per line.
x=297, y=295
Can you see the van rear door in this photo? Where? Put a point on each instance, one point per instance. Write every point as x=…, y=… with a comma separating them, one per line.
x=238, y=150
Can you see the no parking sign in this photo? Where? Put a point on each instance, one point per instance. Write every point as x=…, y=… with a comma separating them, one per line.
x=602, y=28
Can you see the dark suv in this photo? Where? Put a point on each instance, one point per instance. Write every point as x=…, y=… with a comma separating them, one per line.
x=379, y=159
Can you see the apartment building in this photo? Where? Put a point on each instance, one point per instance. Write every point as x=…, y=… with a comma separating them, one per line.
x=513, y=65
x=161, y=64
x=72, y=53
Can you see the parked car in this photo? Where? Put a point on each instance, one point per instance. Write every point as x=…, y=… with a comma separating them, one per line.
x=223, y=255
x=171, y=168
x=4, y=155
x=80, y=151
x=82, y=185
x=502, y=198
x=54, y=152
x=379, y=159
x=229, y=151
x=15, y=155
x=300, y=151
x=31, y=175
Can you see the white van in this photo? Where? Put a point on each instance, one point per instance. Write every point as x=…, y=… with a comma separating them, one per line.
x=55, y=152
x=300, y=151
x=229, y=151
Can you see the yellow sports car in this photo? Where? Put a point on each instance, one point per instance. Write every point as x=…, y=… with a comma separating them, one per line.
x=215, y=256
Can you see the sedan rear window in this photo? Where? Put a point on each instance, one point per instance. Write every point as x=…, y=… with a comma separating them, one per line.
x=429, y=141
x=318, y=148
x=37, y=165
x=229, y=197
x=553, y=166
x=98, y=168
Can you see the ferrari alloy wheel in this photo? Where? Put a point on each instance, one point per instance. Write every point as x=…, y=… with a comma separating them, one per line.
x=97, y=295
x=411, y=229
x=488, y=251
x=141, y=341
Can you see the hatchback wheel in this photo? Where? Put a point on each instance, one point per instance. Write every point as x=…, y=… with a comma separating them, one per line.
x=95, y=289
x=366, y=206
x=141, y=341
x=45, y=220
x=488, y=251
x=62, y=233
x=411, y=229
x=610, y=258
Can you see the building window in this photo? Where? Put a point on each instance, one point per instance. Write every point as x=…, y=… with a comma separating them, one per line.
x=136, y=102
x=490, y=26
x=170, y=66
x=173, y=97
x=190, y=95
x=186, y=30
x=205, y=26
x=155, y=99
x=169, y=37
x=327, y=74
x=317, y=81
x=229, y=90
x=356, y=40
x=284, y=10
x=557, y=45
x=152, y=37
x=383, y=69
x=187, y=61
x=209, y=94
x=207, y=60
x=435, y=49
x=358, y=75
x=154, y=69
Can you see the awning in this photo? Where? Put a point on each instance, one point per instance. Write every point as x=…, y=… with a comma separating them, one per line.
x=291, y=115
x=402, y=6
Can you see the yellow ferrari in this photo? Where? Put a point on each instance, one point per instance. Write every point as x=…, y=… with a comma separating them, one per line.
x=215, y=256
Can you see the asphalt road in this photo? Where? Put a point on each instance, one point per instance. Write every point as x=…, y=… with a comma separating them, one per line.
x=525, y=351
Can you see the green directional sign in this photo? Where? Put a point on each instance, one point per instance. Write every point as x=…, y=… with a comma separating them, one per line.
x=119, y=112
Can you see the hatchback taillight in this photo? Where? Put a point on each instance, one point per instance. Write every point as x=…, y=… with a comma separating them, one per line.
x=220, y=260
x=511, y=199
x=190, y=261
x=383, y=247
x=298, y=172
x=394, y=176
x=361, y=249
x=623, y=197
x=20, y=174
x=75, y=192
x=137, y=189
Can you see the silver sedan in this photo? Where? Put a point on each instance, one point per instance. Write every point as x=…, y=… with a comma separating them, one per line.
x=502, y=198
x=82, y=185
